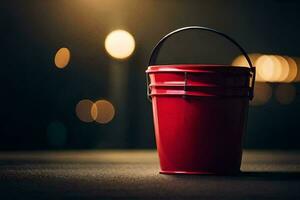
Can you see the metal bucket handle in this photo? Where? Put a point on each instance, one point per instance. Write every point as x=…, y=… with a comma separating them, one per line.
x=155, y=51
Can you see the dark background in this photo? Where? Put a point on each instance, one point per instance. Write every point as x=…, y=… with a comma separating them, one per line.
x=34, y=93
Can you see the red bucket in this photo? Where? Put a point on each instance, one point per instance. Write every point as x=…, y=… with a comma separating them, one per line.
x=200, y=113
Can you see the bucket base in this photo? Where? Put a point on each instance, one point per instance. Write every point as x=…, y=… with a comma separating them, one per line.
x=199, y=172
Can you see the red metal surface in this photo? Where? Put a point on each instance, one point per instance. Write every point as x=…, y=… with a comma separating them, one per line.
x=199, y=122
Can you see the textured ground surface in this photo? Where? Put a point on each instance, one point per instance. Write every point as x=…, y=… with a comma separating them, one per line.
x=134, y=175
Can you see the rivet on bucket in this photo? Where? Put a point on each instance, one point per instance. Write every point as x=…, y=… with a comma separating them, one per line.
x=200, y=112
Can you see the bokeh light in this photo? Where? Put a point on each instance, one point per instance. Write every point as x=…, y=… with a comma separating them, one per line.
x=284, y=68
x=285, y=93
x=62, y=57
x=56, y=134
x=262, y=94
x=272, y=68
x=268, y=67
x=103, y=111
x=293, y=69
x=119, y=44
x=297, y=78
x=241, y=61
x=84, y=110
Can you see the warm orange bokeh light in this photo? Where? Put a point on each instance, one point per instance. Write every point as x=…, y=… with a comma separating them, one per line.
x=242, y=62
x=284, y=66
x=292, y=69
x=269, y=68
x=119, y=44
x=297, y=78
x=103, y=111
x=84, y=110
x=62, y=57
x=272, y=68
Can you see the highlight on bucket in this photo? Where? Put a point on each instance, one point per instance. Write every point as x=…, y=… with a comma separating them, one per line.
x=200, y=112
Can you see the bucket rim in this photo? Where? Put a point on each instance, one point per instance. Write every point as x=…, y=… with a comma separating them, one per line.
x=197, y=85
x=198, y=94
x=209, y=68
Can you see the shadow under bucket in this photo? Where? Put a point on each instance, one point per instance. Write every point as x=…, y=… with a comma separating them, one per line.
x=200, y=113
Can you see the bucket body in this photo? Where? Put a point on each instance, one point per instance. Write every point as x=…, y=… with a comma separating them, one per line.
x=200, y=116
